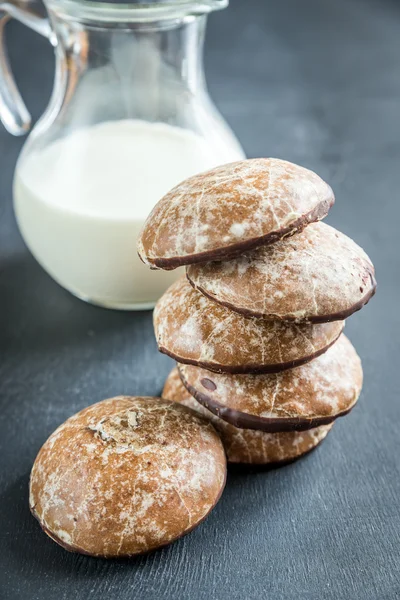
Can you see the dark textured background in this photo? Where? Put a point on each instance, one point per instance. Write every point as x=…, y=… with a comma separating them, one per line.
x=316, y=82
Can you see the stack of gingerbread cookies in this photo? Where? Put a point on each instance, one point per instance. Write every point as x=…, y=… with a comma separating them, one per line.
x=256, y=325
x=256, y=329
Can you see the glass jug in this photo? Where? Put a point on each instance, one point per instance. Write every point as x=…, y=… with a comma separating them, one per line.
x=128, y=119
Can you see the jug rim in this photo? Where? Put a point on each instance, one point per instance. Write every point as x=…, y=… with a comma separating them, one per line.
x=133, y=11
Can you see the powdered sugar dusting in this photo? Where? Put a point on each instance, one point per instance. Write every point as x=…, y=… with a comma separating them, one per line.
x=324, y=387
x=191, y=327
x=248, y=445
x=235, y=202
x=127, y=475
x=317, y=272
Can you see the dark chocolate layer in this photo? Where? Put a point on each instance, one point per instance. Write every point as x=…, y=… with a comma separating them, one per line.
x=247, y=421
x=250, y=369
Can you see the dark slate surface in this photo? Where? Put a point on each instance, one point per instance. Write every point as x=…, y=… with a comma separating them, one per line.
x=316, y=82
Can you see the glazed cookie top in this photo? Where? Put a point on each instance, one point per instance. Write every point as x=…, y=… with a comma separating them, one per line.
x=308, y=396
x=317, y=275
x=248, y=446
x=221, y=213
x=127, y=475
x=194, y=330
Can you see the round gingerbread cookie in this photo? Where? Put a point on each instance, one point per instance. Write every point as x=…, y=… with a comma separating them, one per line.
x=249, y=446
x=195, y=330
x=126, y=476
x=318, y=275
x=309, y=396
x=221, y=213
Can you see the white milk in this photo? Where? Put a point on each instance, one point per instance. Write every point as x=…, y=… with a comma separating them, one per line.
x=81, y=202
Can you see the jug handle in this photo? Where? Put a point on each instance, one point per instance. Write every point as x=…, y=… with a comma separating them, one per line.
x=13, y=112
